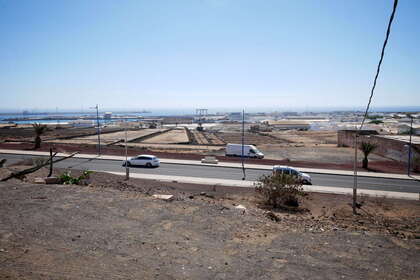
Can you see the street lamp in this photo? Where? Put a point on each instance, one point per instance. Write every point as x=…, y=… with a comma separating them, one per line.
x=243, y=140
x=354, y=204
x=98, y=128
x=409, y=146
x=127, y=170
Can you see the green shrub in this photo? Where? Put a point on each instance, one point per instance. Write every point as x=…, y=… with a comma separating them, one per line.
x=67, y=179
x=279, y=190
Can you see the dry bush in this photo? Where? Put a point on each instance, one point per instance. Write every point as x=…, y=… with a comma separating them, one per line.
x=381, y=201
x=279, y=190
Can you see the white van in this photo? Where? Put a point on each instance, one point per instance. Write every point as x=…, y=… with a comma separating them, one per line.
x=249, y=151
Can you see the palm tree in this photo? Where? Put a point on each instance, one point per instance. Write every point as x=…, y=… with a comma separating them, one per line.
x=39, y=130
x=367, y=148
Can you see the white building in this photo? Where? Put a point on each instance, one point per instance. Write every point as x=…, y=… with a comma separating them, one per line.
x=108, y=115
x=405, y=129
x=82, y=123
x=287, y=124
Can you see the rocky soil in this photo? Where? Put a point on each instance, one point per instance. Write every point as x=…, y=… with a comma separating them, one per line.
x=114, y=229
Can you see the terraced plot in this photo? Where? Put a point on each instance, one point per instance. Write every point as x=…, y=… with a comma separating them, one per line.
x=250, y=138
x=185, y=148
x=214, y=139
x=109, y=138
x=174, y=136
x=199, y=137
x=306, y=137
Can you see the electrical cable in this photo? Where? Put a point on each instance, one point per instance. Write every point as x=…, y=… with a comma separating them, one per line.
x=388, y=31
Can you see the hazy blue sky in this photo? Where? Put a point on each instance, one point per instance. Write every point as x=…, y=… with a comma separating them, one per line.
x=206, y=53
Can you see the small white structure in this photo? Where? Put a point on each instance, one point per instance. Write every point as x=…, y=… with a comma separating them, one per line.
x=167, y=197
x=405, y=129
x=235, y=116
x=82, y=123
x=288, y=124
x=209, y=159
x=108, y=115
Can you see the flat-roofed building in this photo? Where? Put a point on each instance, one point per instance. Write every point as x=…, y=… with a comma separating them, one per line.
x=405, y=129
x=287, y=124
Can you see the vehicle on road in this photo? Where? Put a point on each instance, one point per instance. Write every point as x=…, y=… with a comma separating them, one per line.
x=248, y=151
x=143, y=160
x=302, y=177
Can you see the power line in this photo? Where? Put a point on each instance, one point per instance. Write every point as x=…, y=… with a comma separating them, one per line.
x=378, y=69
x=388, y=31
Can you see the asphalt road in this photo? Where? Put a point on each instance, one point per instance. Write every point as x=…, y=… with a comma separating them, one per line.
x=384, y=184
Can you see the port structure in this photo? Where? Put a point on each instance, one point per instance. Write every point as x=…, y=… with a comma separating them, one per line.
x=200, y=115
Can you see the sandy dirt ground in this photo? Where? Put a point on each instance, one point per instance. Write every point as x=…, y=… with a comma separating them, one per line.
x=306, y=137
x=249, y=139
x=26, y=132
x=199, y=137
x=214, y=139
x=185, y=148
x=174, y=136
x=322, y=153
x=113, y=229
x=109, y=138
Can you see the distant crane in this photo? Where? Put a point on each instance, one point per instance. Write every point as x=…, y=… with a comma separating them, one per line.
x=201, y=113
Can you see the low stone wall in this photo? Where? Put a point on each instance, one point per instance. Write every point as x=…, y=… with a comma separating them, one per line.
x=387, y=147
x=345, y=138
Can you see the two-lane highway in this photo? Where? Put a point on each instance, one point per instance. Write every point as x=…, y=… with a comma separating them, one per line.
x=344, y=181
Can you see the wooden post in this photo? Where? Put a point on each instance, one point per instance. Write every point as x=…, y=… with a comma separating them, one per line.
x=51, y=163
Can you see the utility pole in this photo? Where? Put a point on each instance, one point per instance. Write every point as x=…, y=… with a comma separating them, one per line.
x=127, y=171
x=243, y=142
x=356, y=135
x=409, y=146
x=378, y=69
x=51, y=163
x=98, y=128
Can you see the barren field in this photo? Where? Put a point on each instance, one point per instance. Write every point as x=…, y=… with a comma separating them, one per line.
x=249, y=139
x=214, y=139
x=206, y=138
x=199, y=137
x=321, y=153
x=113, y=229
x=109, y=138
x=26, y=133
x=173, y=136
x=306, y=137
x=184, y=148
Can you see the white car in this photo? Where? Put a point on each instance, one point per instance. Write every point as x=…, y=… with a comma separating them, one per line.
x=303, y=177
x=143, y=160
